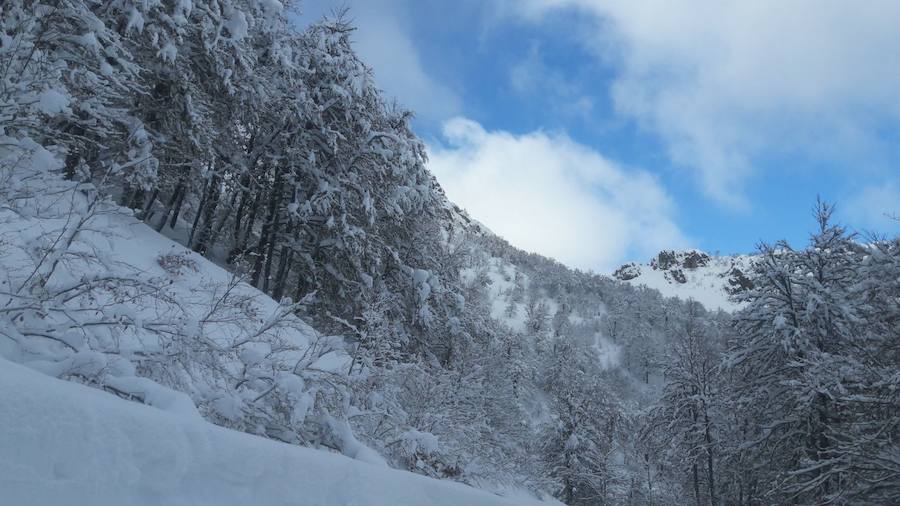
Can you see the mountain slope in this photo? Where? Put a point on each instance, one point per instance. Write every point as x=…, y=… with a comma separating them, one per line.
x=710, y=280
x=135, y=314
x=272, y=154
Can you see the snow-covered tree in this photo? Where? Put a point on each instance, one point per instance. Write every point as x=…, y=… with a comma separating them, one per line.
x=683, y=425
x=804, y=352
x=578, y=443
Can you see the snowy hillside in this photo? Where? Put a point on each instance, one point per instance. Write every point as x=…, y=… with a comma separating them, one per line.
x=98, y=297
x=81, y=446
x=710, y=280
x=132, y=313
x=228, y=276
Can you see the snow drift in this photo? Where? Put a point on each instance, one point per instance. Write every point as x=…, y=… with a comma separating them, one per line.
x=65, y=443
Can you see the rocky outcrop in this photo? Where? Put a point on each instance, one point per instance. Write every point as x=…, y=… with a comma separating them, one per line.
x=628, y=271
x=668, y=259
x=665, y=260
x=695, y=259
x=714, y=281
x=737, y=281
x=676, y=275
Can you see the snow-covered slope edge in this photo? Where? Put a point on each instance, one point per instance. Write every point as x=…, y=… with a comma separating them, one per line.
x=710, y=280
x=91, y=294
x=64, y=443
x=133, y=313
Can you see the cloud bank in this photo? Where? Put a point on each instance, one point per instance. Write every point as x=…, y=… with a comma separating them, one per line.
x=548, y=194
x=725, y=83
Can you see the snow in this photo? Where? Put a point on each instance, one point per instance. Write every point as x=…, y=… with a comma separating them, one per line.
x=501, y=275
x=779, y=322
x=52, y=102
x=64, y=443
x=698, y=288
x=67, y=443
x=237, y=25
x=608, y=352
x=705, y=284
x=156, y=395
x=271, y=8
x=185, y=295
x=168, y=53
x=425, y=442
x=126, y=246
x=37, y=156
x=135, y=20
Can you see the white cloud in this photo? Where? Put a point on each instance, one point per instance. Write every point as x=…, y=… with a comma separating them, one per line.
x=548, y=194
x=726, y=82
x=383, y=40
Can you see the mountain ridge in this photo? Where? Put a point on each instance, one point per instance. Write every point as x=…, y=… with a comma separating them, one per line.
x=712, y=280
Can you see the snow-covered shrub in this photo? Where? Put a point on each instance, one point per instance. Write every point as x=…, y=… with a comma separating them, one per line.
x=176, y=263
x=72, y=307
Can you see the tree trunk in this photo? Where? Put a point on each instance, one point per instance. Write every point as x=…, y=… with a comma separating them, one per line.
x=127, y=195
x=284, y=268
x=240, y=247
x=209, y=213
x=267, y=236
x=137, y=199
x=200, y=209
x=176, y=194
x=147, y=211
x=270, y=252
x=710, y=477
x=245, y=195
x=176, y=211
x=696, y=478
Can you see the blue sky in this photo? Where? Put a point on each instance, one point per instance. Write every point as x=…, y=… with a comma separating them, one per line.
x=598, y=132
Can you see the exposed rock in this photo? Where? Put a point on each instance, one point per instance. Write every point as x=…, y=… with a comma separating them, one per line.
x=628, y=271
x=665, y=259
x=695, y=259
x=690, y=260
x=676, y=275
x=738, y=281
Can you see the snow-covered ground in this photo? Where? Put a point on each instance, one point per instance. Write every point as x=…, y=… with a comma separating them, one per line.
x=710, y=280
x=65, y=443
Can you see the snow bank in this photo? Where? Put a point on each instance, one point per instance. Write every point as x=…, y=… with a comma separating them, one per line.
x=64, y=443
